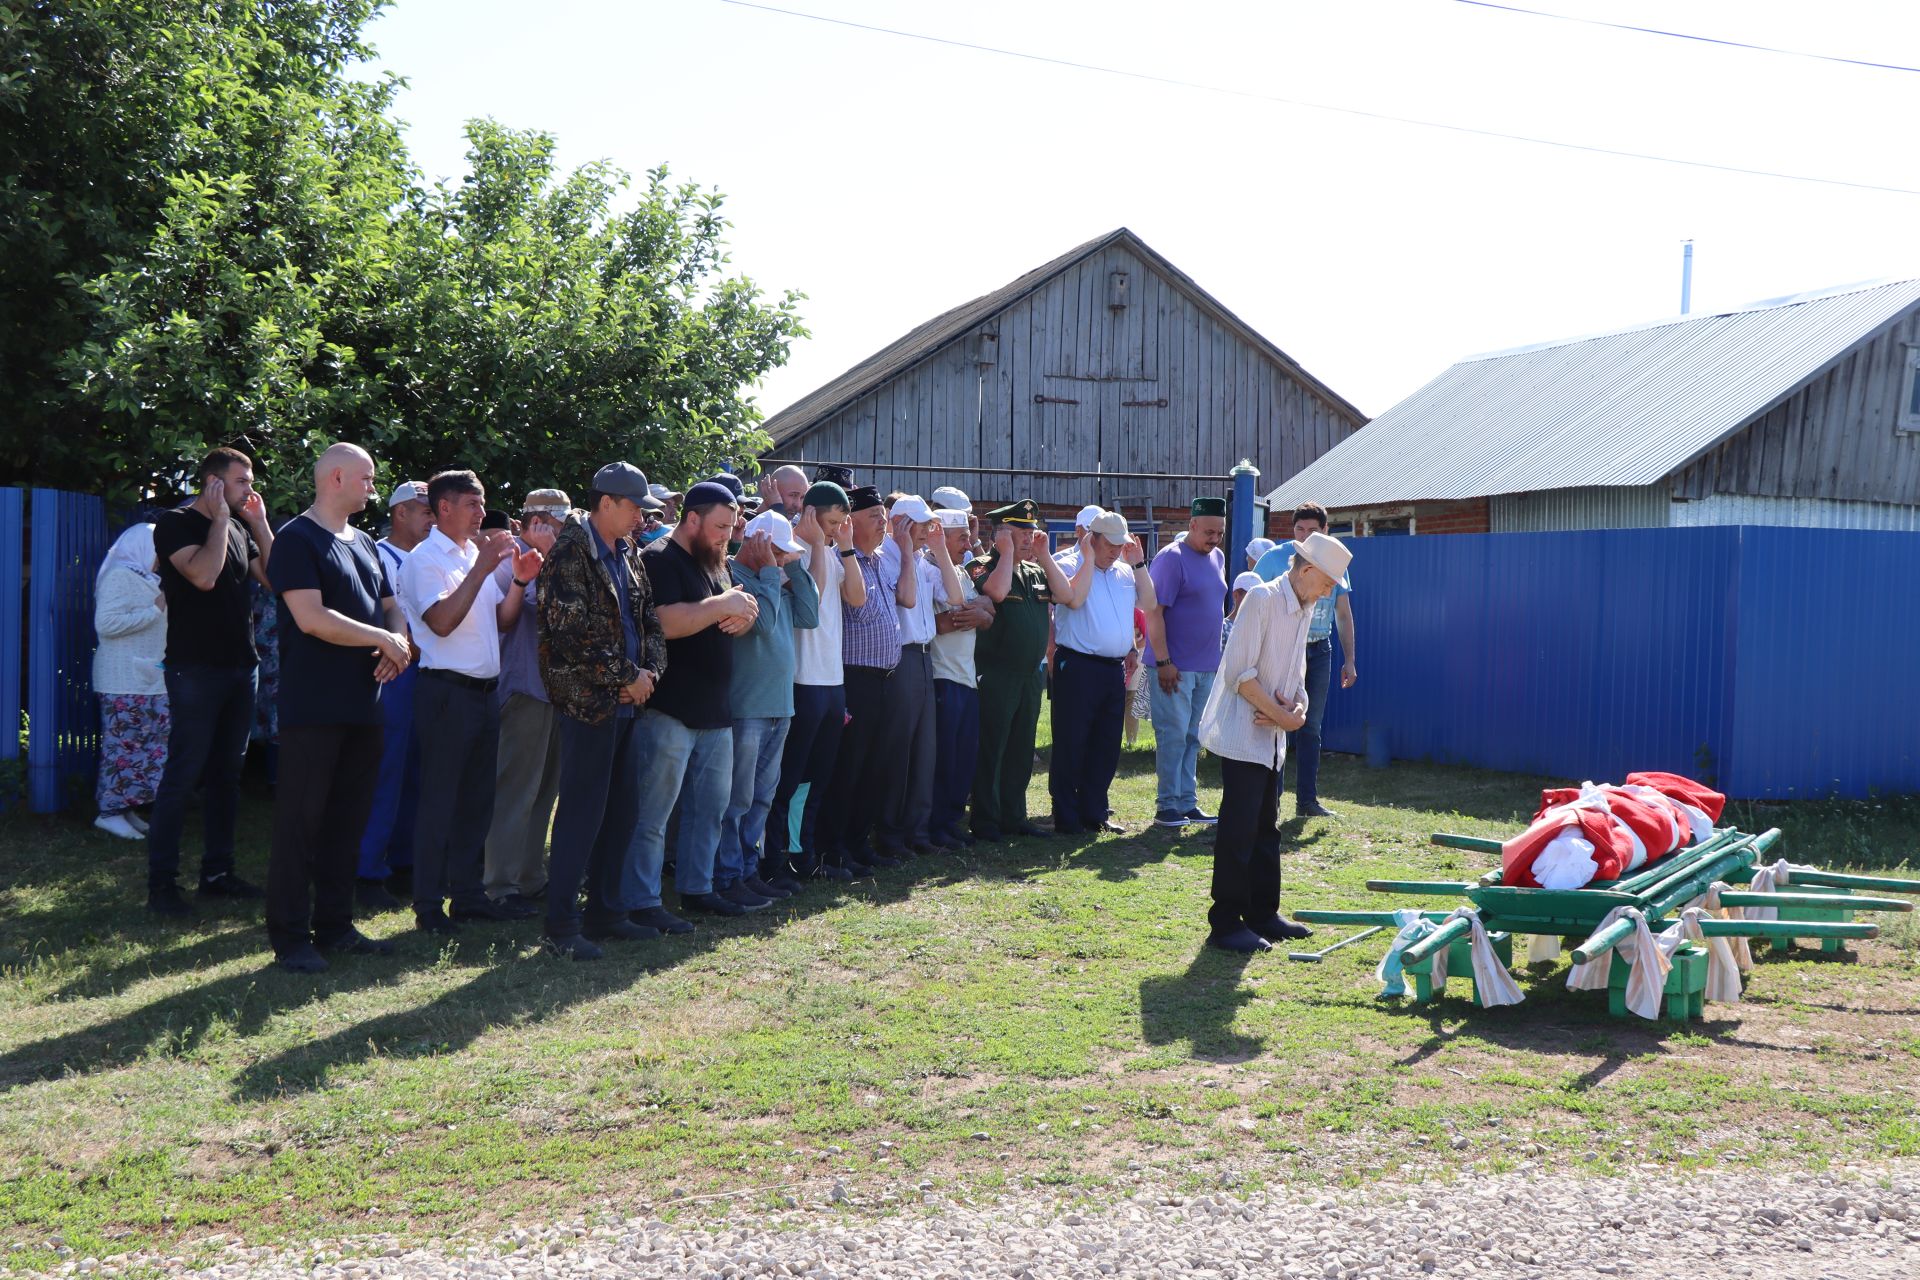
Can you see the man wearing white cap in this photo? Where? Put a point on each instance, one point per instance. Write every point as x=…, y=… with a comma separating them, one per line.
x=1068, y=557
x=386, y=847
x=776, y=567
x=929, y=580
x=527, y=775
x=1093, y=634
x=1258, y=697
x=956, y=684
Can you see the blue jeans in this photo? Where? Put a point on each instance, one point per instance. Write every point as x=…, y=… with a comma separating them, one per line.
x=695, y=768
x=212, y=716
x=388, y=840
x=956, y=749
x=813, y=741
x=1176, y=739
x=1303, y=744
x=757, y=746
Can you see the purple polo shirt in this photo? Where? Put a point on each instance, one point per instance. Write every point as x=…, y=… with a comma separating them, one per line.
x=1192, y=591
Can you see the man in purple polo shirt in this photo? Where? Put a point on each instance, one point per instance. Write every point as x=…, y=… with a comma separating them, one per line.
x=1190, y=582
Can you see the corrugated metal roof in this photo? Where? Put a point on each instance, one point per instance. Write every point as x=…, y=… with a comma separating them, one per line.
x=1623, y=408
x=917, y=344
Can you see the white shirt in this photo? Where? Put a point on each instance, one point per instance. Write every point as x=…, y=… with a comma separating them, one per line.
x=916, y=624
x=816, y=650
x=434, y=571
x=1269, y=644
x=953, y=652
x=1103, y=624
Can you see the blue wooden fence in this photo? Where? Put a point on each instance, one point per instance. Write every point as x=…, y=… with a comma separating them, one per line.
x=1779, y=662
x=49, y=650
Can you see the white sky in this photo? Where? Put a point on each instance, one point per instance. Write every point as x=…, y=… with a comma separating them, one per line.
x=890, y=179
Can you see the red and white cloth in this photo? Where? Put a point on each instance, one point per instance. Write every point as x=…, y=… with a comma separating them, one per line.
x=1593, y=832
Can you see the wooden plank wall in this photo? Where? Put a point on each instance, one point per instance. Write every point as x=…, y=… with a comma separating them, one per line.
x=1225, y=400
x=1837, y=437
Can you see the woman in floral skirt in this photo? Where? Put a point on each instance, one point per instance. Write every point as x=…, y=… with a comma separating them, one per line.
x=130, y=617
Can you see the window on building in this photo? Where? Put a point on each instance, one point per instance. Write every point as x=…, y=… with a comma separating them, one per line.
x=1910, y=392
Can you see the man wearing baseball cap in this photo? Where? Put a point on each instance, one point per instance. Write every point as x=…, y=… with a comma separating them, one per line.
x=916, y=552
x=1068, y=557
x=386, y=847
x=775, y=564
x=602, y=652
x=527, y=776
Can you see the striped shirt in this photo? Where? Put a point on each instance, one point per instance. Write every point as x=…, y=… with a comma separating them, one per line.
x=871, y=635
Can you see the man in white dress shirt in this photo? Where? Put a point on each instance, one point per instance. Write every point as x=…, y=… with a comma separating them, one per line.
x=906, y=814
x=1258, y=697
x=1092, y=636
x=454, y=590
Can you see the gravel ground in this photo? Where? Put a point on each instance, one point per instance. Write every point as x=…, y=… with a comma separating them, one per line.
x=1860, y=1224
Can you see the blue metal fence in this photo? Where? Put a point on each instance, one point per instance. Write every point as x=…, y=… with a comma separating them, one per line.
x=1778, y=662
x=50, y=645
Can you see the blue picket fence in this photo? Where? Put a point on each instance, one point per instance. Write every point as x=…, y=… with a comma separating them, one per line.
x=1777, y=662
x=51, y=543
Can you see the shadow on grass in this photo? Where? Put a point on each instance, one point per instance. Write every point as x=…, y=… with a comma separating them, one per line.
x=1200, y=1006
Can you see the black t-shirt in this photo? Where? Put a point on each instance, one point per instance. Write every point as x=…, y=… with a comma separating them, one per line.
x=206, y=628
x=322, y=682
x=697, y=688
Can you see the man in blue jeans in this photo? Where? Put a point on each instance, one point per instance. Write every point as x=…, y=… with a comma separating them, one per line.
x=386, y=847
x=776, y=565
x=1190, y=583
x=207, y=551
x=686, y=730
x=1303, y=744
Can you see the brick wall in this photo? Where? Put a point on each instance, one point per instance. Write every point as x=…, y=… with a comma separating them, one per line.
x=1474, y=515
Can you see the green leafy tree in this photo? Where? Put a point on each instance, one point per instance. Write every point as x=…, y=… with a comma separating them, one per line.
x=540, y=332
x=210, y=234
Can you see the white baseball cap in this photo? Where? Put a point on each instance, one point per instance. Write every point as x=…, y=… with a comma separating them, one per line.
x=1259, y=547
x=407, y=491
x=661, y=493
x=1247, y=581
x=948, y=498
x=1110, y=525
x=1086, y=516
x=913, y=507
x=951, y=518
x=778, y=528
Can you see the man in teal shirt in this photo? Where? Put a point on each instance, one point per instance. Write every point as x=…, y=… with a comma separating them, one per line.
x=1303, y=744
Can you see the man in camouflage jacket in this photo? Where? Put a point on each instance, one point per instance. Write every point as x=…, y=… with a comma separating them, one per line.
x=601, y=654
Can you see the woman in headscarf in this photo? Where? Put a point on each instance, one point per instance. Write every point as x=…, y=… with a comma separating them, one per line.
x=130, y=617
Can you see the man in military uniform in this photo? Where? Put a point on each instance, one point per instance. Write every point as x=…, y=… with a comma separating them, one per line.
x=1022, y=580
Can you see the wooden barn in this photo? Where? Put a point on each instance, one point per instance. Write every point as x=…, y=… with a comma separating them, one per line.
x=1801, y=411
x=1106, y=375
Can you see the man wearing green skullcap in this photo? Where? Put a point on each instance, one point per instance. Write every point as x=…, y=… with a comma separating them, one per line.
x=1021, y=579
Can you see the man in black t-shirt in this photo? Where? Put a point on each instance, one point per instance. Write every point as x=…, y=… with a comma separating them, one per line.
x=686, y=728
x=206, y=556
x=342, y=636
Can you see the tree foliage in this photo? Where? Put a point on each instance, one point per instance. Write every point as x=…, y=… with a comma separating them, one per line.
x=210, y=233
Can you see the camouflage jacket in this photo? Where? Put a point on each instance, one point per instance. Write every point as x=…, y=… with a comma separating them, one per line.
x=583, y=656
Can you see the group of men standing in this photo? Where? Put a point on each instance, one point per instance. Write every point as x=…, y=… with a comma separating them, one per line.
x=828, y=687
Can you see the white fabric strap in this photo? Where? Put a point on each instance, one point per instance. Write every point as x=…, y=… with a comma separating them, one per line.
x=1647, y=954
x=1723, y=970
x=1742, y=953
x=1770, y=880
x=1543, y=948
x=1492, y=984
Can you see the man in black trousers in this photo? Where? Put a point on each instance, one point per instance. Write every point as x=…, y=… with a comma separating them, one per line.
x=342, y=636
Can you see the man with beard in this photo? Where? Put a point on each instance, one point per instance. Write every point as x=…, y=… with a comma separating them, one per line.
x=687, y=727
x=1022, y=581
x=206, y=556
x=1190, y=581
x=342, y=636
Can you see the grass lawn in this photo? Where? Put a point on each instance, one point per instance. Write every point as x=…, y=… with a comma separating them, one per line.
x=1040, y=1013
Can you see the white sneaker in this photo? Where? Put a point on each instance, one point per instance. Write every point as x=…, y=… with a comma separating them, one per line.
x=116, y=824
x=135, y=821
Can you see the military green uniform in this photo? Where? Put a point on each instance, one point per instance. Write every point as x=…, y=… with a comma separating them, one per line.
x=1007, y=656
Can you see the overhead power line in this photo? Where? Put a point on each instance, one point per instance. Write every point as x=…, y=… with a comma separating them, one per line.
x=1682, y=35
x=1322, y=106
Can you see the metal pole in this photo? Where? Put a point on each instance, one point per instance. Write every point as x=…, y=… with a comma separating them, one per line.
x=1240, y=528
x=1686, y=277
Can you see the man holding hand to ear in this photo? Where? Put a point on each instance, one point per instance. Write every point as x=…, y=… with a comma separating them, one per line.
x=1258, y=697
